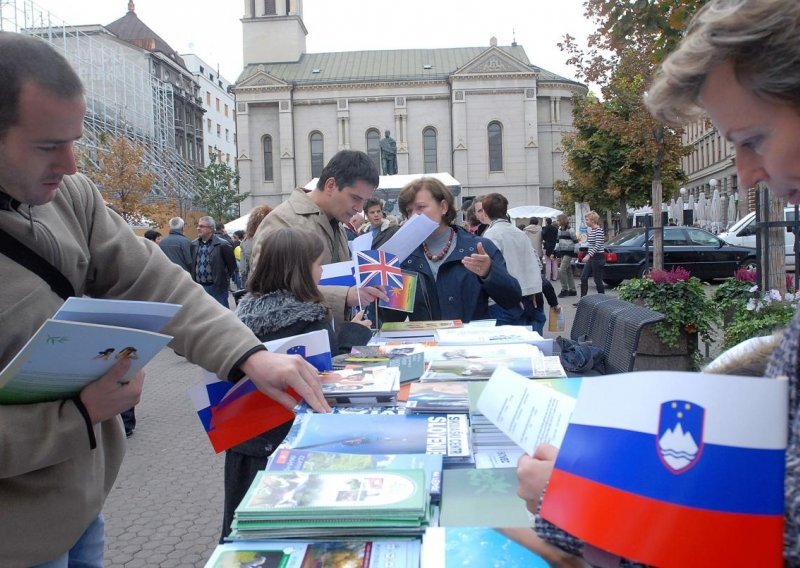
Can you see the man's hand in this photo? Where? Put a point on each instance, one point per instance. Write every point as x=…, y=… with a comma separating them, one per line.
x=368, y=294
x=480, y=263
x=273, y=373
x=534, y=474
x=107, y=397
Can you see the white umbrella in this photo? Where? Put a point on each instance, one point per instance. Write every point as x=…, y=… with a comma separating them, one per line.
x=527, y=211
x=700, y=210
x=731, y=210
x=679, y=210
x=714, y=212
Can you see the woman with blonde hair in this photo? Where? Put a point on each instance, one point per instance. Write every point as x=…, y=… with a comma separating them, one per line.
x=594, y=261
x=739, y=64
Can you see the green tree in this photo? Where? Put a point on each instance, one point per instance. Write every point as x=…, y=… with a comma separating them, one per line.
x=218, y=190
x=632, y=38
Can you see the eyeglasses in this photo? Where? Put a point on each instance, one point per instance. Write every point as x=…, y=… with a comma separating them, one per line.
x=203, y=226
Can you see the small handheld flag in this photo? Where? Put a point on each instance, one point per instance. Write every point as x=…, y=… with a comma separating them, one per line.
x=378, y=268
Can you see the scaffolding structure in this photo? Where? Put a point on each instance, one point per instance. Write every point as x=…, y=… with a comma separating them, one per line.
x=123, y=97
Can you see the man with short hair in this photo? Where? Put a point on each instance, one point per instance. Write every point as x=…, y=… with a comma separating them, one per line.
x=213, y=262
x=176, y=246
x=344, y=185
x=521, y=262
x=477, y=208
x=380, y=227
x=60, y=458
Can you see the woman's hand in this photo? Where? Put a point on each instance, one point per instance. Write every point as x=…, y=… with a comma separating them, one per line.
x=534, y=473
x=479, y=263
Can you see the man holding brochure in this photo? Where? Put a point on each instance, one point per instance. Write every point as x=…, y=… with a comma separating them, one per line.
x=59, y=460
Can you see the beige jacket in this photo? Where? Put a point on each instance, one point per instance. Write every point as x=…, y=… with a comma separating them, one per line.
x=300, y=211
x=52, y=483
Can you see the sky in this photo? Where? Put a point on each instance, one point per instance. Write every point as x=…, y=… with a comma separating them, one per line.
x=212, y=28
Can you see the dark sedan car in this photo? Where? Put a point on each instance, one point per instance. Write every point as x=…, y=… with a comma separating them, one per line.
x=701, y=253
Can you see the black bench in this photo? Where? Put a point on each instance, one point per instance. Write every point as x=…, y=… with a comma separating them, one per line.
x=614, y=326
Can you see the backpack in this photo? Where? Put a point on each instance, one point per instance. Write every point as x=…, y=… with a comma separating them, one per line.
x=581, y=357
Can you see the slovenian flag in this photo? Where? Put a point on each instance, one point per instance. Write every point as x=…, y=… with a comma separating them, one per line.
x=675, y=469
x=314, y=347
x=338, y=274
x=402, y=297
x=234, y=413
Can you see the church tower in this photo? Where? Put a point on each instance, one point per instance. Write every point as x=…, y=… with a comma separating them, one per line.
x=273, y=31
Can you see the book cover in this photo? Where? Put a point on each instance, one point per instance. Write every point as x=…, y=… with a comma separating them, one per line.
x=313, y=495
x=475, y=369
x=482, y=498
x=440, y=396
x=379, y=553
x=63, y=357
x=459, y=547
x=304, y=460
x=417, y=328
x=361, y=380
x=447, y=435
x=147, y=316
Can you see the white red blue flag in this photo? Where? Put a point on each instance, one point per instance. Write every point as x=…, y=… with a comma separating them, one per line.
x=675, y=469
x=379, y=268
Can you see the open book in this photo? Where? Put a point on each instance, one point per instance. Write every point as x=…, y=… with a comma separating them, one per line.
x=80, y=344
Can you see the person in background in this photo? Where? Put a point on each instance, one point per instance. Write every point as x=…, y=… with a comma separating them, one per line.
x=739, y=65
x=176, y=246
x=549, y=241
x=522, y=264
x=594, y=260
x=483, y=220
x=282, y=300
x=212, y=261
x=457, y=272
x=237, y=237
x=257, y=215
x=565, y=250
x=152, y=235
x=381, y=229
x=219, y=230
x=534, y=232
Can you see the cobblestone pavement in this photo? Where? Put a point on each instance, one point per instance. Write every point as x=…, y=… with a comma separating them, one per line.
x=166, y=506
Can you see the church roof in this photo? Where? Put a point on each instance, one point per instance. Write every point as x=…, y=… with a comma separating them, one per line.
x=131, y=29
x=385, y=65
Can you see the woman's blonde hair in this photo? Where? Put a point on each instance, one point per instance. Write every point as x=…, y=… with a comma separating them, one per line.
x=761, y=39
x=593, y=215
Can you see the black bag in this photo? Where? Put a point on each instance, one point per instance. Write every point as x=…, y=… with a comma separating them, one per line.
x=581, y=357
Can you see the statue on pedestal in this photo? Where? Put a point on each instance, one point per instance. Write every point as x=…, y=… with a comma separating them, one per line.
x=389, y=155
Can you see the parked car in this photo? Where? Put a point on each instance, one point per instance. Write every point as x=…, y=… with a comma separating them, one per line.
x=743, y=233
x=703, y=254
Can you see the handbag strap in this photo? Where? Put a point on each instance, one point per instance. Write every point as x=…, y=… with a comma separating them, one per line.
x=22, y=254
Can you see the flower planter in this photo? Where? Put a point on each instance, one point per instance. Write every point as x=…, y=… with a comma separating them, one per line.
x=653, y=354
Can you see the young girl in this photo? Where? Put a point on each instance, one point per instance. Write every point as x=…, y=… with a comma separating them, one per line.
x=282, y=300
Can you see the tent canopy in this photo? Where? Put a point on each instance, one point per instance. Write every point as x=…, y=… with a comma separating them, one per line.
x=527, y=211
x=389, y=186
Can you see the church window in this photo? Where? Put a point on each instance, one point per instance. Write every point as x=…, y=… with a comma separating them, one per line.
x=269, y=8
x=495, y=132
x=374, y=146
x=267, y=144
x=429, y=150
x=317, y=155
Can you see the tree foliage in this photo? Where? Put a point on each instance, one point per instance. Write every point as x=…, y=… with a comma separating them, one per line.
x=127, y=184
x=218, y=190
x=631, y=39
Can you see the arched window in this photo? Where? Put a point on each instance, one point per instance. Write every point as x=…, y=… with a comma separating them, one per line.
x=430, y=164
x=374, y=146
x=495, y=132
x=267, y=145
x=317, y=156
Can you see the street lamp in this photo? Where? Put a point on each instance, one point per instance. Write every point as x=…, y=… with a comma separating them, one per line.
x=713, y=183
x=683, y=192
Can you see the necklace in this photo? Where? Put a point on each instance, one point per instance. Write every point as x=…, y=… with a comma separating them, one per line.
x=441, y=255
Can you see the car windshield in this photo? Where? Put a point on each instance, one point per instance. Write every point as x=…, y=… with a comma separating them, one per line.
x=741, y=223
x=630, y=238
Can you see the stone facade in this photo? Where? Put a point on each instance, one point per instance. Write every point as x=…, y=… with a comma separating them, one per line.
x=486, y=115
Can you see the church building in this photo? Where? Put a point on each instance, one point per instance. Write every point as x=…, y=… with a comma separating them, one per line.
x=485, y=115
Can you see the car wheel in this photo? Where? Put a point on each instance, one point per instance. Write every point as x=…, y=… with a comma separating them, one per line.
x=612, y=283
x=749, y=264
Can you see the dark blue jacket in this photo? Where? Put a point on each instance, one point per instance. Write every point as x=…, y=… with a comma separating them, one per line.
x=178, y=249
x=458, y=293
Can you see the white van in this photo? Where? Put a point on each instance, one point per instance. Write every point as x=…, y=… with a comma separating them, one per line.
x=743, y=233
